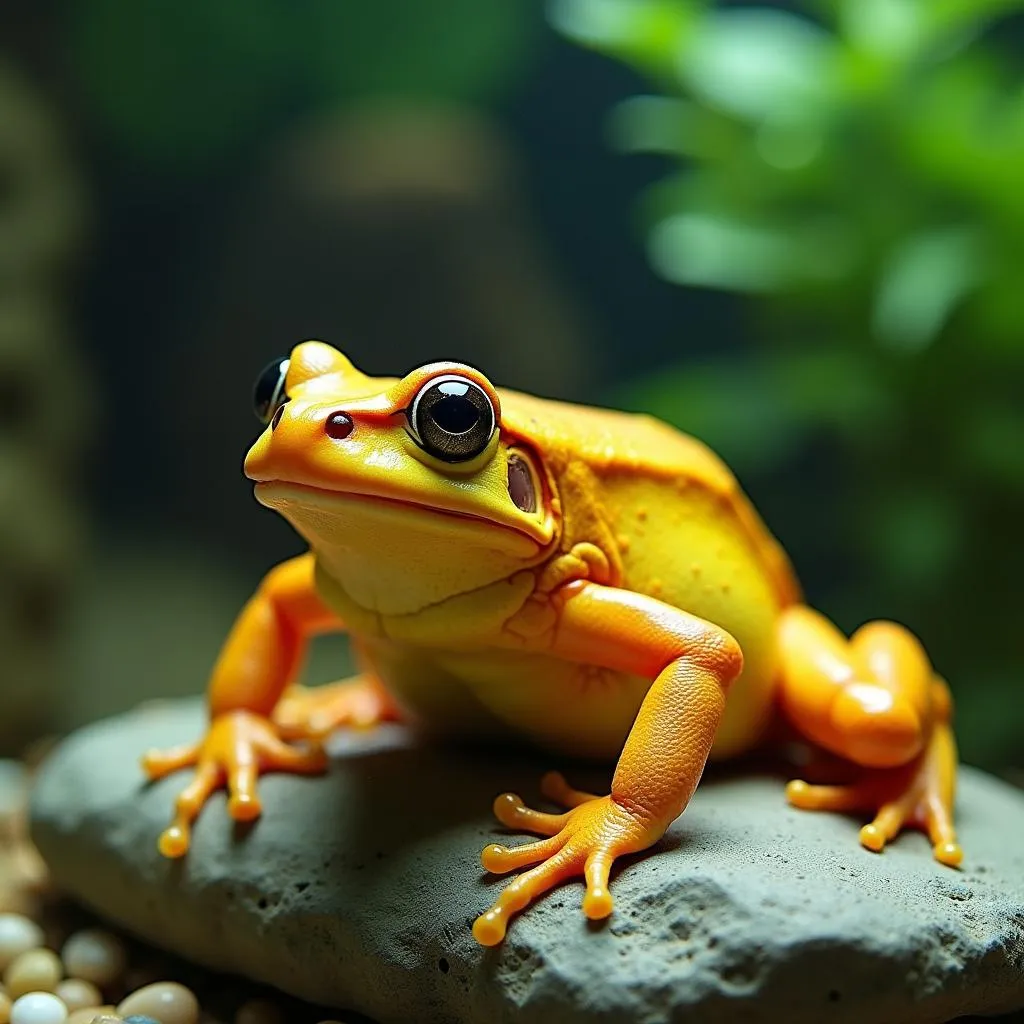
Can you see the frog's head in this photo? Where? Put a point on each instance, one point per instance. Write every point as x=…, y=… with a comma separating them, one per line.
x=404, y=485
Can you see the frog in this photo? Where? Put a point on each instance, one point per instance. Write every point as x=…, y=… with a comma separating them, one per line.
x=590, y=583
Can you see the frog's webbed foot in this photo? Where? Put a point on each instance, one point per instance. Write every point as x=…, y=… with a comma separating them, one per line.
x=584, y=840
x=314, y=712
x=238, y=747
x=919, y=795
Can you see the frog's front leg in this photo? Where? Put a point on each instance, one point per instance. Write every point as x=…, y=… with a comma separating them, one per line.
x=691, y=663
x=259, y=659
x=874, y=700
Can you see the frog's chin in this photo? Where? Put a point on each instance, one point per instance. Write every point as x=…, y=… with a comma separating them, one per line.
x=350, y=519
x=395, y=558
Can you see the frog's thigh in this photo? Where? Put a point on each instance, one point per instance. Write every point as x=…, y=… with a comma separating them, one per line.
x=866, y=698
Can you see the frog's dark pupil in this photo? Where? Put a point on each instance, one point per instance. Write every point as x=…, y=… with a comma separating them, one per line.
x=455, y=414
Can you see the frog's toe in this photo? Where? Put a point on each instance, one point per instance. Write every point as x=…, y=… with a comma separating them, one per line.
x=176, y=839
x=598, y=902
x=938, y=820
x=886, y=826
x=510, y=810
x=490, y=927
x=591, y=836
x=159, y=763
x=918, y=795
x=810, y=797
x=555, y=788
x=500, y=859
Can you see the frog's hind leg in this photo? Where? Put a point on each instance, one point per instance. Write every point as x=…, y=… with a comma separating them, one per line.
x=874, y=700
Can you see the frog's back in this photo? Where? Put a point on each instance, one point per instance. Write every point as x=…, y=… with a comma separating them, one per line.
x=642, y=463
x=679, y=528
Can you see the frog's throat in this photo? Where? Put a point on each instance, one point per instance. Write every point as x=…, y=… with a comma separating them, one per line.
x=397, y=557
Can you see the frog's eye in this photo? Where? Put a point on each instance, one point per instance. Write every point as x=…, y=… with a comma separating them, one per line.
x=521, y=488
x=452, y=418
x=268, y=393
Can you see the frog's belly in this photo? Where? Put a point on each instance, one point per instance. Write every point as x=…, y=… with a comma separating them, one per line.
x=565, y=707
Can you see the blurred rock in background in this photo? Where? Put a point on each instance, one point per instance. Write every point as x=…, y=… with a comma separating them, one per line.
x=45, y=412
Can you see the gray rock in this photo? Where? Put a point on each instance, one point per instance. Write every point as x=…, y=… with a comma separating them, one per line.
x=358, y=890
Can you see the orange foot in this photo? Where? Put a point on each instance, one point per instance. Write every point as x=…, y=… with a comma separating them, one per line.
x=918, y=795
x=313, y=713
x=238, y=746
x=583, y=841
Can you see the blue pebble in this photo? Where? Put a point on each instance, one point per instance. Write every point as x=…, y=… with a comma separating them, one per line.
x=140, y=1018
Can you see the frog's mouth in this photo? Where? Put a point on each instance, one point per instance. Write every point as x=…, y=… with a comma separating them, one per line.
x=314, y=509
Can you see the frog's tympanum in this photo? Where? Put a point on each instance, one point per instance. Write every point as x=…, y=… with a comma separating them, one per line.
x=590, y=582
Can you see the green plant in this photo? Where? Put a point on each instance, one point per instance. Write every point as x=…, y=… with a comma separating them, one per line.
x=856, y=171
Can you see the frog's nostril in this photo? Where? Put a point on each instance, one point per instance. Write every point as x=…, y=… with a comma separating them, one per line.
x=277, y=416
x=339, y=425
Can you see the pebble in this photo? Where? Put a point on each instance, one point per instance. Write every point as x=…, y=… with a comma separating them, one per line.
x=17, y=935
x=259, y=1011
x=38, y=1008
x=76, y=993
x=37, y=970
x=13, y=788
x=168, y=1001
x=5, y=1008
x=140, y=1018
x=93, y=1015
x=94, y=955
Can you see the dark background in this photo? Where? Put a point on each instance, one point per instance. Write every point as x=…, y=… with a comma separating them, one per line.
x=189, y=189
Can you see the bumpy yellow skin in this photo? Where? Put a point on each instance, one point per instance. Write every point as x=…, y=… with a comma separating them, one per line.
x=640, y=612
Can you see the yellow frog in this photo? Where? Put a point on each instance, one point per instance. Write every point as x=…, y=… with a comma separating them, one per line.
x=591, y=582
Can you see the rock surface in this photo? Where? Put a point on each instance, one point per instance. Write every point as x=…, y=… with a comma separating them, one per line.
x=358, y=890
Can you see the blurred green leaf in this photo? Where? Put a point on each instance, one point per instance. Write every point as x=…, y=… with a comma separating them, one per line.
x=958, y=14
x=709, y=250
x=656, y=124
x=892, y=29
x=647, y=33
x=790, y=139
x=757, y=62
x=921, y=285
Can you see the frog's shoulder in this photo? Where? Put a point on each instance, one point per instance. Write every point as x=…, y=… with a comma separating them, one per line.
x=611, y=443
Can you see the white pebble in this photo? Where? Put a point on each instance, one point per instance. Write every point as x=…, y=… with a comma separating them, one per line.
x=94, y=955
x=76, y=993
x=38, y=1008
x=17, y=934
x=37, y=970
